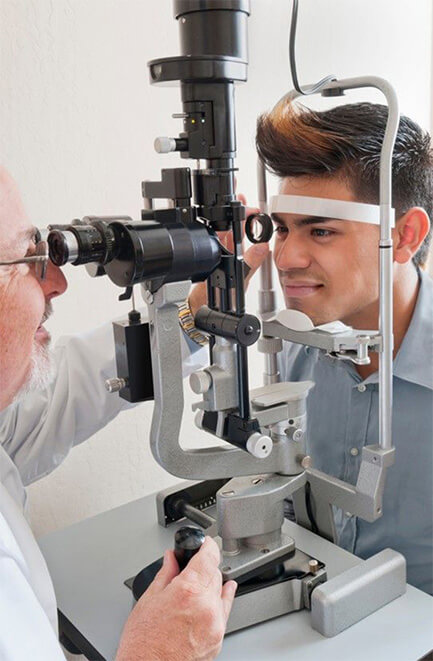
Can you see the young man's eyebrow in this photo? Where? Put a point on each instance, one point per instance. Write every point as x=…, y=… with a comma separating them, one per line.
x=308, y=220
x=313, y=220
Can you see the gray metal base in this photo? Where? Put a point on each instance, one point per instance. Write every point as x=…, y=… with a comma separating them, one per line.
x=90, y=560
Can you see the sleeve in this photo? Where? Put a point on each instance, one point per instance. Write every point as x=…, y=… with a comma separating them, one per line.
x=25, y=631
x=38, y=432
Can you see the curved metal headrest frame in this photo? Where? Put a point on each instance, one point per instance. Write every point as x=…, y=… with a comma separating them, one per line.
x=385, y=242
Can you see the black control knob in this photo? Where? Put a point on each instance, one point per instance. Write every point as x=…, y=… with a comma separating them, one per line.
x=187, y=541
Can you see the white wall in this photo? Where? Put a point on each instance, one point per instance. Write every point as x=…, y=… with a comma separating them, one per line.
x=78, y=120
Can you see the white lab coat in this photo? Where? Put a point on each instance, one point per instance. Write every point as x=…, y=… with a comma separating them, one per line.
x=36, y=434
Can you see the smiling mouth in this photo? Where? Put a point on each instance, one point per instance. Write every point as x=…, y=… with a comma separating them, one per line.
x=301, y=289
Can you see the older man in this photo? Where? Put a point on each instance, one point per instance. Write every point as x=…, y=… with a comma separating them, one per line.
x=182, y=615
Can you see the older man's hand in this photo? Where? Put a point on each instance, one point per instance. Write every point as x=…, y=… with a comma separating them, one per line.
x=181, y=615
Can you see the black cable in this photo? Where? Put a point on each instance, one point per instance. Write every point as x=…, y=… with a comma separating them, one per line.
x=309, y=508
x=310, y=89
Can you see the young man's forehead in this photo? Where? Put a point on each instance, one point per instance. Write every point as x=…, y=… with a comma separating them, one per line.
x=317, y=186
x=300, y=221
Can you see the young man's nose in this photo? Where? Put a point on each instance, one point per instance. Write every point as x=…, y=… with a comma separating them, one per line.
x=55, y=283
x=292, y=254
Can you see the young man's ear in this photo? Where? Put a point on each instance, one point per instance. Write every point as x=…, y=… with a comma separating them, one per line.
x=410, y=231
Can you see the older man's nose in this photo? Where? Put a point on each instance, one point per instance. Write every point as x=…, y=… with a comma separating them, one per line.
x=293, y=254
x=55, y=283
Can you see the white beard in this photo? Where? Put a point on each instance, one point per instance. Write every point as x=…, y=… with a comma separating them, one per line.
x=42, y=371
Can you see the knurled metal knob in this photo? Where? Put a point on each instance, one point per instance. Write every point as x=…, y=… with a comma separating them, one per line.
x=164, y=145
x=115, y=384
x=200, y=382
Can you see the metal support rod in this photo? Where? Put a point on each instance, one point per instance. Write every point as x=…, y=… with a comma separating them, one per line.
x=196, y=516
x=211, y=301
x=267, y=306
x=267, y=297
x=225, y=305
x=241, y=352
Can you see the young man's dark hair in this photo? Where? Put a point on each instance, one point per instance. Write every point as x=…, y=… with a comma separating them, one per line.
x=346, y=141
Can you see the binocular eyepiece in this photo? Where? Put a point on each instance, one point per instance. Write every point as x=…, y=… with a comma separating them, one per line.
x=131, y=252
x=84, y=241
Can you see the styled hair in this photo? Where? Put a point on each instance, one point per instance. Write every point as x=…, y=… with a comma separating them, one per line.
x=346, y=142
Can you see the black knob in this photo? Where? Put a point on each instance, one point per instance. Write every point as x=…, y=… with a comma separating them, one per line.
x=187, y=541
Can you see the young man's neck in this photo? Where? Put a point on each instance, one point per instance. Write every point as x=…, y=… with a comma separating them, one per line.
x=406, y=285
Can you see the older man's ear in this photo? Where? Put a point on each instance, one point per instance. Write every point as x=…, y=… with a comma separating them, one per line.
x=410, y=231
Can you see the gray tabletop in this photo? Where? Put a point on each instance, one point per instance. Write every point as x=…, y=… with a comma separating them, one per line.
x=89, y=561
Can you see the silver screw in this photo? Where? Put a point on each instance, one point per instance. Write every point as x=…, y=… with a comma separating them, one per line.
x=306, y=462
x=313, y=566
x=257, y=480
x=298, y=435
x=228, y=493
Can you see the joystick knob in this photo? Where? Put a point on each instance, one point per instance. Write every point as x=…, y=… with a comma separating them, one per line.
x=187, y=541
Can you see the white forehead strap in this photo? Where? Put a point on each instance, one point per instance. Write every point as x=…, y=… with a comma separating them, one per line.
x=324, y=208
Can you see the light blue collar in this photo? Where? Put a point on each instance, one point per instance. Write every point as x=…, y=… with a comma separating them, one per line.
x=414, y=361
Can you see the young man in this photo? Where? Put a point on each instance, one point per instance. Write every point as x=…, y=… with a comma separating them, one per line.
x=328, y=269
x=181, y=614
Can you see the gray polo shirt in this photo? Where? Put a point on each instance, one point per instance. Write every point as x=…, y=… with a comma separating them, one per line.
x=343, y=417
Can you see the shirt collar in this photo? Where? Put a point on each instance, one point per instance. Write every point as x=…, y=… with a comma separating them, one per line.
x=414, y=361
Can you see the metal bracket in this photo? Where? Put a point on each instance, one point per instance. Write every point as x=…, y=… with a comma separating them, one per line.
x=350, y=345
x=363, y=500
x=201, y=464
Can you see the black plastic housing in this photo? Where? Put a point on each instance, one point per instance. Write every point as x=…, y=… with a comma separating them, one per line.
x=134, y=359
x=149, y=250
x=213, y=27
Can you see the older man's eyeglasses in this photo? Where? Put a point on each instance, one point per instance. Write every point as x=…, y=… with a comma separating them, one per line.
x=39, y=259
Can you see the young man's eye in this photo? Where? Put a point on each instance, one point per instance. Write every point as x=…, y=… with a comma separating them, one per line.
x=280, y=230
x=321, y=233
